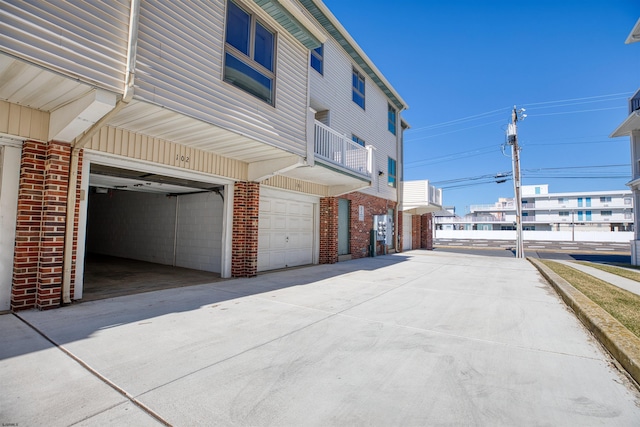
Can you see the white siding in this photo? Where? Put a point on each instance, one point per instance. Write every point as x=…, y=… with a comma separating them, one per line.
x=180, y=57
x=332, y=91
x=84, y=40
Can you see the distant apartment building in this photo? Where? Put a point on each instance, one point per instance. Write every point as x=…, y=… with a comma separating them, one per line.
x=544, y=211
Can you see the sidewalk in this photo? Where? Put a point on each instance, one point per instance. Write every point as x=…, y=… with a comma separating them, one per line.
x=614, y=279
x=420, y=338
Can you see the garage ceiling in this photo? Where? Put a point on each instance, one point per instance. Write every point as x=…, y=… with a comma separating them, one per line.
x=129, y=180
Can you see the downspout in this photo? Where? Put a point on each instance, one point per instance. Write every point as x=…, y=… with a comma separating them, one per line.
x=400, y=179
x=78, y=144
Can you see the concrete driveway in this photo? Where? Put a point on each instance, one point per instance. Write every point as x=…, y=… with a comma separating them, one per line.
x=420, y=338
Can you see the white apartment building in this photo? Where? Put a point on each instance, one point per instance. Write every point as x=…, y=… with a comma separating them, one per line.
x=544, y=211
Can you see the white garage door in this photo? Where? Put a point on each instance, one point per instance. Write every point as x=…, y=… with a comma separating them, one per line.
x=285, y=233
x=407, y=232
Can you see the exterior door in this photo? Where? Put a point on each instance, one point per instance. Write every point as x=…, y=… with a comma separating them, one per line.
x=407, y=232
x=285, y=233
x=344, y=209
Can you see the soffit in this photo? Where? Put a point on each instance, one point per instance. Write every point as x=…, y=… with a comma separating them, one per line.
x=162, y=123
x=34, y=87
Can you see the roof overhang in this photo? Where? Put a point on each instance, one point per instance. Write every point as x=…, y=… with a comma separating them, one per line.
x=292, y=19
x=421, y=210
x=634, y=35
x=630, y=124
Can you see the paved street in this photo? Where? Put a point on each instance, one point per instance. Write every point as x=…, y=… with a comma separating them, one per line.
x=420, y=338
x=538, y=245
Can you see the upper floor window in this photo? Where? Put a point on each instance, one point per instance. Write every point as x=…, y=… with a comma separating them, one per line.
x=358, y=88
x=391, y=118
x=563, y=200
x=563, y=213
x=391, y=171
x=249, y=54
x=627, y=200
x=317, y=59
x=605, y=199
x=606, y=213
x=357, y=140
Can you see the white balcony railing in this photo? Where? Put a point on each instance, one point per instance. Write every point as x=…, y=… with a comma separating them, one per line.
x=338, y=149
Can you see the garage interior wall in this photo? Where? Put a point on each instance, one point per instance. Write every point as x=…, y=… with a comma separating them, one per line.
x=183, y=231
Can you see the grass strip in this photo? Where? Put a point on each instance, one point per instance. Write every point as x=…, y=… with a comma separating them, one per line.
x=621, y=304
x=622, y=272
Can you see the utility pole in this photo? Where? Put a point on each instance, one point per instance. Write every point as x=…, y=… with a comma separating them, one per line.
x=512, y=140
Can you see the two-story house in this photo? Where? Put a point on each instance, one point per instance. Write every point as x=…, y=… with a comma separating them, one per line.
x=631, y=127
x=229, y=136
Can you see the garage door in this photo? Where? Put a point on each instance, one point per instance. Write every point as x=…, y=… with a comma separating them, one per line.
x=407, y=232
x=285, y=233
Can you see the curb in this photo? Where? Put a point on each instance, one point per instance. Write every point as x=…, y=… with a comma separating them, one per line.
x=618, y=340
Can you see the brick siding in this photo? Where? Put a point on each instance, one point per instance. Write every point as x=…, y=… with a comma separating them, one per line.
x=359, y=231
x=40, y=226
x=246, y=208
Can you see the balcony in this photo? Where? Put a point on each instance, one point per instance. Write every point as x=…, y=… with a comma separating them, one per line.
x=337, y=149
x=420, y=197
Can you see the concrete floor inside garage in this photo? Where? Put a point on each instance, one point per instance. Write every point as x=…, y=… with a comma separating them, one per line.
x=108, y=277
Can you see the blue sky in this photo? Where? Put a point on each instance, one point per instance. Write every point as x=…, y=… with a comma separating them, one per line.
x=462, y=66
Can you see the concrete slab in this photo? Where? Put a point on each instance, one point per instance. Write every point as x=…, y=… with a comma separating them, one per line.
x=41, y=385
x=419, y=338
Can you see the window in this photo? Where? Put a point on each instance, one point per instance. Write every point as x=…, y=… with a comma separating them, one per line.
x=358, y=88
x=562, y=200
x=627, y=215
x=606, y=213
x=605, y=199
x=357, y=140
x=391, y=118
x=537, y=190
x=249, y=54
x=563, y=213
x=317, y=59
x=627, y=200
x=392, y=173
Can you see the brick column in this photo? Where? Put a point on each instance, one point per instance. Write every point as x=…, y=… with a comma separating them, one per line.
x=28, y=225
x=426, y=229
x=244, y=248
x=328, y=230
x=39, y=248
x=416, y=234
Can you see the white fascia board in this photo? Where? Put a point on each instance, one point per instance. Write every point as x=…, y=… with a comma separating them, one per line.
x=630, y=124
x=634, y=35
x=293, y=9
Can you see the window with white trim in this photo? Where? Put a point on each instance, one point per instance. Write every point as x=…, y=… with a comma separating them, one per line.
x=317, y=59
x=358, y=84
x=391, y=119
x=391, y=172
x=357, y=139
x=249, y=60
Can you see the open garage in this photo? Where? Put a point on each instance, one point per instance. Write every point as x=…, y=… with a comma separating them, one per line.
x=146, y=230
